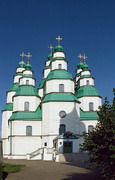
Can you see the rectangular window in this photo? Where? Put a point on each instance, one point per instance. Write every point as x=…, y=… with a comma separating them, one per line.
x=45, y=144
x=26, y=106
x=27, y=82
x=28, y=130
x=61, y=87
x=59, y=66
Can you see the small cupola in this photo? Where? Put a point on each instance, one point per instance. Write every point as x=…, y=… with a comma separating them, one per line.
x=22, y=63
x=58, y=48
x=28, y=65
x=85, y=67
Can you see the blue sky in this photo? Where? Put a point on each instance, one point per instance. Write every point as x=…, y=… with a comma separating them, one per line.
x=86, y=26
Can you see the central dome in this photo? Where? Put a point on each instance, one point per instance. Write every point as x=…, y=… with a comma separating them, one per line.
x=59, y=74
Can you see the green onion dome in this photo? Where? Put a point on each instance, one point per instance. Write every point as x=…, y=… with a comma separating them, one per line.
x=26, y=90
x=80, y=65
x=58, y=48
x=22, y=64
x=85, y=66
x=49, y=57
x=14, y=87
x=28, y=66
x=59, y=74
x=87, y=91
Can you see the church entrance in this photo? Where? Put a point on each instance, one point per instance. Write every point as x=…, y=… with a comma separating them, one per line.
x=67, y=147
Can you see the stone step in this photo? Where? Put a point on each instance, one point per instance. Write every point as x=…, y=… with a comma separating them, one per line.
x=73, y=157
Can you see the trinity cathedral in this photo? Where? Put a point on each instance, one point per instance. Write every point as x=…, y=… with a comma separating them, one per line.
x=43, y=122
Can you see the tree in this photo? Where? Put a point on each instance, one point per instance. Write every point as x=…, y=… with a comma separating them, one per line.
x=100, y=143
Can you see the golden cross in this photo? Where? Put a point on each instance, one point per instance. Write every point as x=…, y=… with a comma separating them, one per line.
x=80, y=56
x=84, y=57
x=28, y=56
x=51, y=47
x=58, y=39
x=22, y=55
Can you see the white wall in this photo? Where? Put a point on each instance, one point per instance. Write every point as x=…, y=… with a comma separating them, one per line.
x=19, y=127
x=58, y=54
x=31, y=81
x=46, y=72
x=53, y=85
x=6, y=150
x=84, y=125
x=83, y=81
x=85, y=73
x=27, y=72
x=19, y=103
x=20, y=69
x=86, y=100
x=5, y=129
x=49, y=140
x=25, y=145
x=17, y=78
x=54, y=64
x=40, y=92
x=48, y=63
x=51, y=119
x=9, y=96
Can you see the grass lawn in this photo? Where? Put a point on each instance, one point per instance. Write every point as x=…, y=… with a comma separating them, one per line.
x=11, y=168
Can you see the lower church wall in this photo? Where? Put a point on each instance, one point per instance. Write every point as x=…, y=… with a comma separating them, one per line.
x=85, y=123
x=20, y=146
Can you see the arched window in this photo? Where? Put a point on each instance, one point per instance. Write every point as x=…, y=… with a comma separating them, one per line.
x=61, y=87
x=27, y=82
x=87, y=82
x=90, y=128
x=59, y=66
x=62, y=129
x=26, y=106
x=91, y=106
x=28, y=130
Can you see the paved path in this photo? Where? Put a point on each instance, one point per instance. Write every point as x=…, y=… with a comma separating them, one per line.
x=45, y=170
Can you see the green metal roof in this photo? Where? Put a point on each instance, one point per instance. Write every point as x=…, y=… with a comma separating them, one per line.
x=49, y=56
x=59, y=74
x=60, y=97
x=19, y=73
x=80, y=64
x=28, y=66
x=27, y=75
x=63, y=136
x=58, y=48
x=37, y=115
x=86, y=76
x=59, y=58
x=8, y=107
x=87, y=91
x=41, y=83
x=88, y=115
x=26, y=90
x=14, y=87
x=22, y=64
x=85, y=66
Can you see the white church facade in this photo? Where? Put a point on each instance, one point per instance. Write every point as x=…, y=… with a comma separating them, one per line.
x=41, y=123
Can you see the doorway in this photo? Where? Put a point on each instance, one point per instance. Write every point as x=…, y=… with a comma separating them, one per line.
x=68, y=147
